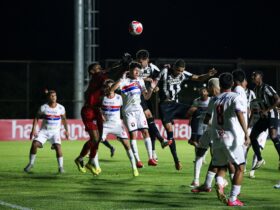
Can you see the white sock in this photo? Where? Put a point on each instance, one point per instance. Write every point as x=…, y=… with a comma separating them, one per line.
x=148, y=144
x=32, y=158
x=95, y=161
x=209, y=179
x=235, y=191
x=131, y=158
x=220, y=180
x=135, y=149
x=60, y=162
x=197, y=168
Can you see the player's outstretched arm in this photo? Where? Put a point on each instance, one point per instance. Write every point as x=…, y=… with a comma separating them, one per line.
x=203, y=77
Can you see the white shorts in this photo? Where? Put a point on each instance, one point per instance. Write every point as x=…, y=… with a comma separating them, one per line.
x=228, y=151
x=52, y=136
x=135, y=120
x=114, y=127
x=205, y=140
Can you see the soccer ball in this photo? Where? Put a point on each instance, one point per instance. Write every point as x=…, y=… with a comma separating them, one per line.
x=135, y=28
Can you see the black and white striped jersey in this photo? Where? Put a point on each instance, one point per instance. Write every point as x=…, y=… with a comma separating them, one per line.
x=250, y=96
x=265, y=98
x=150, y=71
x=169, y=85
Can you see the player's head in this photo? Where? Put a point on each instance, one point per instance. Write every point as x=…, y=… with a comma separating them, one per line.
x=239, y=77
x=203, y=92
x=134, y=69
x=51, y=95
x=214, y=86
x=179, y=67
x=226, y=81
x=142, y=56
x=257, y=77
x=94, y=68
x=107, y=86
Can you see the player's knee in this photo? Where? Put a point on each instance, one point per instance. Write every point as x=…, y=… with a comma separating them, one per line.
x=145, y=133
x=37, y=144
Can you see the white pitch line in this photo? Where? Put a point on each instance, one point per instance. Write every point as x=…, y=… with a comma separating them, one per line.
x=13, y=206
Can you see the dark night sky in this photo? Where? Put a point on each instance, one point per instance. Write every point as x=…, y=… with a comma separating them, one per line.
x=43, y=30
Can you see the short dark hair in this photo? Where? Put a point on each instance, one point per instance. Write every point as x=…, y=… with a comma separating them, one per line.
x=49, y=92
x=226, y=80
x=134, y=65
x=180, y=63
x=238, y=75
x=258, y=72
x=142, y=54
x=92, y=65
x=108, y=81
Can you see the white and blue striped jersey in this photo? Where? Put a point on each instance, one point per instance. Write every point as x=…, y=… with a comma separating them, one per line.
x=131, y=90
x=51, y=116
x=111, y=108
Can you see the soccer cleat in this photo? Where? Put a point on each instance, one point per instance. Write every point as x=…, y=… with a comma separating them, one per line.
x=139, y=164
x=259, y=164
x=277, y=186
x=28, y=168
x=201, y=188
x=152, y=162
x=194, y=184
x=80, y=165
x=220, y=193
x=98, y=170
x=135, y=172
x=92, y=169
x=113, y=151
x=178, y=166
x=61, y=170
x=252, y=175
x=235, y=203
x=165, y=143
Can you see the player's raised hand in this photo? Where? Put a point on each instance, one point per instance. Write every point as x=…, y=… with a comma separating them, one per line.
x=212, y=72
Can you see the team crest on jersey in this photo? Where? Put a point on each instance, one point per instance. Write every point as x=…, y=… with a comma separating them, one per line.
x=132, y=124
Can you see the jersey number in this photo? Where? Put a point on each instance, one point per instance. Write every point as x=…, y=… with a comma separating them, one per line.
x=220, y=114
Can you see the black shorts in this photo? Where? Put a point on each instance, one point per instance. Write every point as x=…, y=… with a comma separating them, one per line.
x=262, y=124
x=146, y=104
x=172, y=110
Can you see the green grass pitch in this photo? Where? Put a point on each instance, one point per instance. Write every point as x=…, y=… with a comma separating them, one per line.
x=160, y=187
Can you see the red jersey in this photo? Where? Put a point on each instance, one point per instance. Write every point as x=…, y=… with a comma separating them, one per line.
x=94, y=92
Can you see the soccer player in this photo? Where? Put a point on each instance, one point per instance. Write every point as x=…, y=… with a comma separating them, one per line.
x=112, y=123
x=169, y=82
x=268, y=100
x=52, y=114
x=149, y=72
x=228, y=131
x=196, y=114
x=131, y=89
x=92, y=117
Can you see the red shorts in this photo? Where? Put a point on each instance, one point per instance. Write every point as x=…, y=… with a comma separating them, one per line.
x=92, y=118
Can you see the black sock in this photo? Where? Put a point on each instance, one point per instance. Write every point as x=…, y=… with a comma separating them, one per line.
x=153, y=140
x=153, y=129
x=256, y=148
x=276, y=142
x=107, y=144
x=173, y=151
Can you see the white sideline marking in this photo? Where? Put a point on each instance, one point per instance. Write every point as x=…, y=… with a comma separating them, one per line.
x=13, y=206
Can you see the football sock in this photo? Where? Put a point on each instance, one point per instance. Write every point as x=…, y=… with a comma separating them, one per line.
x=148, y=145
x=256, y=148
x=107, y=144
x=60, y=162
x=95, y=161
x=153, y=129
x=276, y=143
x=173, y=151
x=93, y=150
x=235, y=191
x=135, y=149
x=153, y=140
x=209, y=179
x=32, y=158
x=131, y=158
x=197, y=168
x=220, y=180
